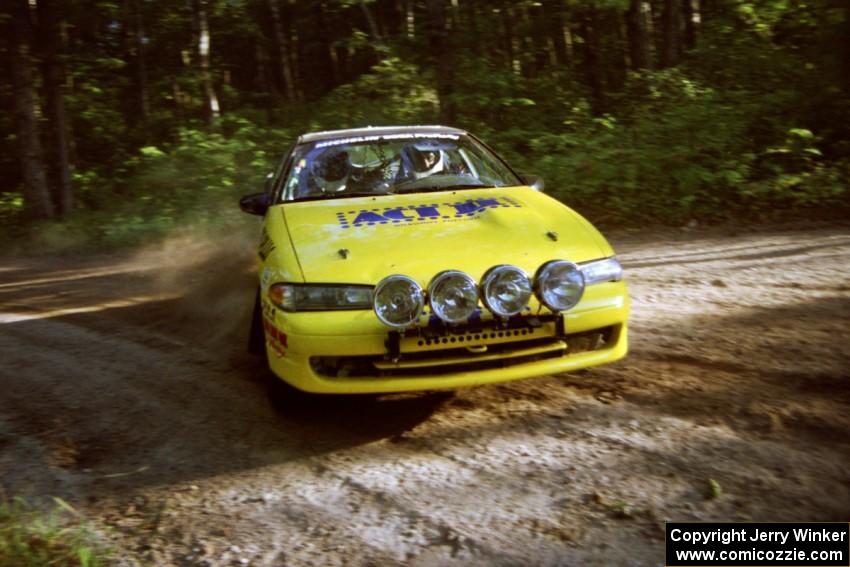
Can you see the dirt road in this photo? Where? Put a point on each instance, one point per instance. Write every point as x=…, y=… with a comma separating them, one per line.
x=126, y=391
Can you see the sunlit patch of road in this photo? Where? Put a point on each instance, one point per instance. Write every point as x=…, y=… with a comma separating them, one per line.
x=132, y=397
x=6, y=318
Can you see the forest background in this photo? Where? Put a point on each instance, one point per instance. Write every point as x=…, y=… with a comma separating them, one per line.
x=125, y=119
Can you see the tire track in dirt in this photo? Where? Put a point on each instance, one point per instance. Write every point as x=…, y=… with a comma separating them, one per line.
x=165, y=437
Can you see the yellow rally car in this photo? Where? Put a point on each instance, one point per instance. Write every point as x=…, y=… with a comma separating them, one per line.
x=414, y=258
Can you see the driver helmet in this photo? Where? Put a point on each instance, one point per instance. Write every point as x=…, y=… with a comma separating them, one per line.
x=331, y=170
x=426, y=159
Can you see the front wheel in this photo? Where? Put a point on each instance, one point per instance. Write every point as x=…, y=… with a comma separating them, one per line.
x=256, y=334
x=289, y=400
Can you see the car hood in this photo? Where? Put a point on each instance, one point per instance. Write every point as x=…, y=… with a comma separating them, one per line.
x=364, y=239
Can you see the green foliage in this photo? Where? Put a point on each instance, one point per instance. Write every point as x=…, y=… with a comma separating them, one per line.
x=672, y=155
x=755, y=118
x=394, y=91
x=795, y=173
x=33, y=538
x=11, y=207
x=490, y=98
x=676, y=149
x=713, y=490
x=194, y=183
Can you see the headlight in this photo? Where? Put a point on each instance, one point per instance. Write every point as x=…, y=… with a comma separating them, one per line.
x=506, y=290
x=453, y=296
x=312, y=297
x=607, y=270
x=398, y=301
x=559, y=285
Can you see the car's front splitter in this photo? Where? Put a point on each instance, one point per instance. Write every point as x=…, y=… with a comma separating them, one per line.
x=296, y=367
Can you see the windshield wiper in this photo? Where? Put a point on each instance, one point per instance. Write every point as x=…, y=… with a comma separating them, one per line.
x=340, y=195
x=455, y=187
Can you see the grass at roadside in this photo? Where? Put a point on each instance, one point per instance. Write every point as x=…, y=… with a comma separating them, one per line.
x=35, y=536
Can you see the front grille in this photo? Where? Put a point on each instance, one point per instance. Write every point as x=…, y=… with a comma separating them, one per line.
x=503, y=352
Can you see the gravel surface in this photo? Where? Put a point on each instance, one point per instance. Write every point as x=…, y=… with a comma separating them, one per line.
x=126, y=391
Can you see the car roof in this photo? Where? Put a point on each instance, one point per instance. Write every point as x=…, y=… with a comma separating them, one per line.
x=376, y=131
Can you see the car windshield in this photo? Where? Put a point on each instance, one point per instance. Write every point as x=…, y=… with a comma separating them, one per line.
x=396, y=163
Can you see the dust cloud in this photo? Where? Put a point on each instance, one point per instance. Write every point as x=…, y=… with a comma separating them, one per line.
x=209, y=276
x=124, y=394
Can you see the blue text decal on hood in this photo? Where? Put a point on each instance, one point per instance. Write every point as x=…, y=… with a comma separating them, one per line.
x=435, y=212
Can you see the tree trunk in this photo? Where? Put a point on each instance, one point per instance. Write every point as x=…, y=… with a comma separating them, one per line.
x=261, y=79
x=36, y=194
x=141, y=66
x=554, y=23
x=508, y=27
x=179, y=98
x=472, y=25
x=569, y=40
x=54, y=87
x=370, y=21
x=690, y=38
x=535, y=41
x=282, y=52
x=708, y=10
x=617, y=63
x=294, y=49
x=443, y=66
x=589, y=32
x=199, y=9
x=410, y=19
x=637, y=36
x=329, y=59
x=671, y=39
x=846, y=57
x=136, y=101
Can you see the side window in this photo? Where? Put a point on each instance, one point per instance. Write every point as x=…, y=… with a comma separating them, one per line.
x=296, y=175
x=279, y=174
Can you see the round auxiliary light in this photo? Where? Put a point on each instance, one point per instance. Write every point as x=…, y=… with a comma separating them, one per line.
x=453, y=296
x=398, y=301
x=506, y=290
x=559, y=285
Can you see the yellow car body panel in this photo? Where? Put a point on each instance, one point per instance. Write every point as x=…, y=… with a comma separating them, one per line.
x=362, y=240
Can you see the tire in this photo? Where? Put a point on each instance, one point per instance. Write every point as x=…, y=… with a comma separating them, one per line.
x=256, y=334
x=288, y=399
x=282, y=396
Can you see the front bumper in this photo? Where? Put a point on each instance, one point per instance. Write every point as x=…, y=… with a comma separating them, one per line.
x=368, y=362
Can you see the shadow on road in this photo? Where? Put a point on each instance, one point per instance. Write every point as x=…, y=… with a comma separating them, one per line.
x=99, y=399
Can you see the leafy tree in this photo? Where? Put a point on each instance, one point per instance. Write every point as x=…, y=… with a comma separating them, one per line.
x=632, y=109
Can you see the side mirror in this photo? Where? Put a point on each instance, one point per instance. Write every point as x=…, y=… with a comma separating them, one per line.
x=533, y=181
x=255, y=204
